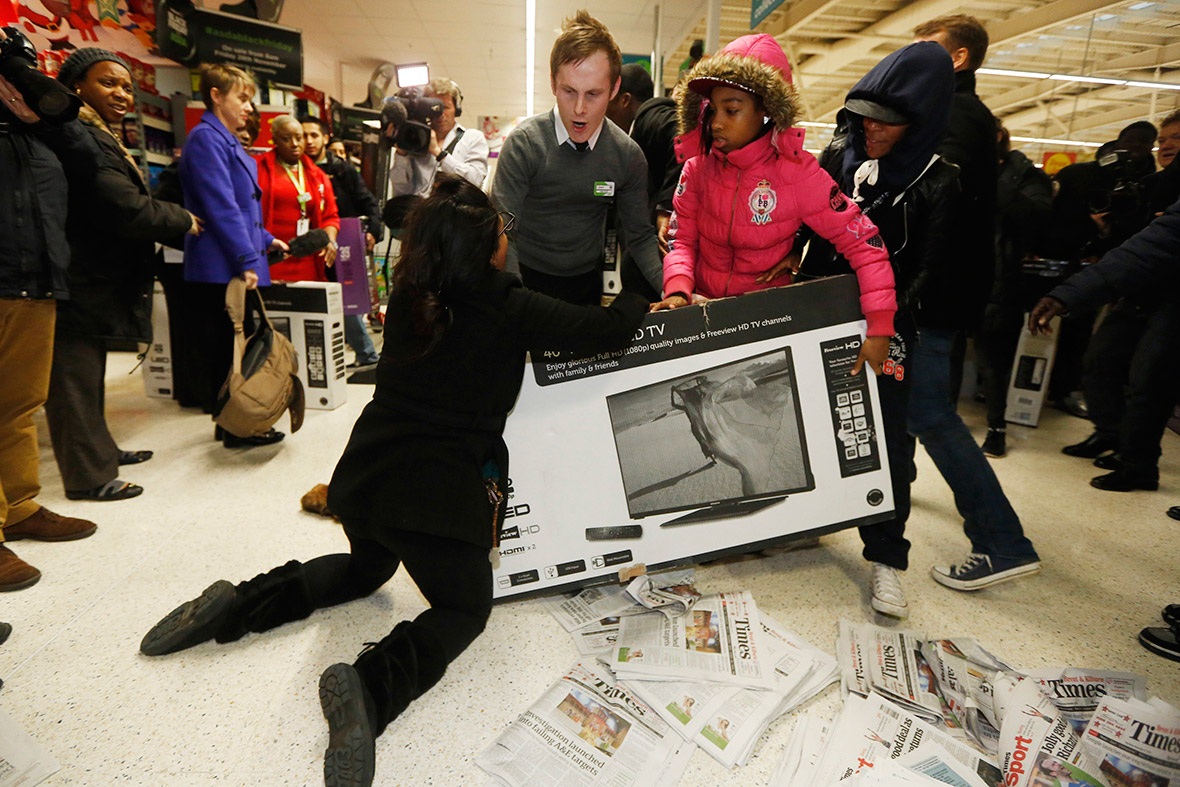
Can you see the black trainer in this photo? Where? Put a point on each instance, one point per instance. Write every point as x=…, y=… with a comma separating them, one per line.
x=1171, y=615
x=1174, y=512
x=979, y=571
x=192, y=623
x=996, y=443
x=5, y=630
x=1092, y=447
x=1161, y=642
x=351, y=757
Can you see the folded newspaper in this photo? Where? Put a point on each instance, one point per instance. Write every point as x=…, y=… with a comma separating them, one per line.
x=1077, y=692
x=964, y=673
x=890, y=663
x=727, y=721
x=670, y=591
x=871, y=730
x=1037, y=743
x=718, y=641
x=587, y=730
x=1135, y=742
x=23, y=761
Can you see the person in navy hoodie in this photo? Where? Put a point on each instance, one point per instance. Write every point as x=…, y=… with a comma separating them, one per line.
x=220, y=184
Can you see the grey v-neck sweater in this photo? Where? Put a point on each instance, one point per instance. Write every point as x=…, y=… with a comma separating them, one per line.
x=560, y=197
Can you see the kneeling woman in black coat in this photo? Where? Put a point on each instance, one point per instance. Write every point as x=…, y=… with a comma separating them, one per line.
x=421, y=482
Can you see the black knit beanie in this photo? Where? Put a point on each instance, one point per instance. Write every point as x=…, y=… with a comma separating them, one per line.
x=81, y=60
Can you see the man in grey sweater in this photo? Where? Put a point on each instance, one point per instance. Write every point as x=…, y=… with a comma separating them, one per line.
x=559, y=172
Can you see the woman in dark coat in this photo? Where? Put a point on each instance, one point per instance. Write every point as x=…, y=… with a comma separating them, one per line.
x=112, y=227
x=422, y=480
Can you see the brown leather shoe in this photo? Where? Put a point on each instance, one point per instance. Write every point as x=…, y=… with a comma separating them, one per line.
x=48, y=526
x=14, y=572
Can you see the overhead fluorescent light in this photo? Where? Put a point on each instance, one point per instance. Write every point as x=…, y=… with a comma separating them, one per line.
x=1006, y=72
x=412, y=74
x=530, y=57
x=1153, y=85
x=1089, y=80
x=1011, y=72
x=1046, y=141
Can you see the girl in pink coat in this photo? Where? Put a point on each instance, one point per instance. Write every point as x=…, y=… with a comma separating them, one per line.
x=748, y=185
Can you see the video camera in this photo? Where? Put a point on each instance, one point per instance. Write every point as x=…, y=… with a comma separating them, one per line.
x=1125, y=199
x=50, y=99
x=406, y=118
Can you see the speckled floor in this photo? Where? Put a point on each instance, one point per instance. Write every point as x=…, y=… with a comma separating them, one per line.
x=248, y=713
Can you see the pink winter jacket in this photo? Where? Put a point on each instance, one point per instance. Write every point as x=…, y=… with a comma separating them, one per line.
x=735, y=217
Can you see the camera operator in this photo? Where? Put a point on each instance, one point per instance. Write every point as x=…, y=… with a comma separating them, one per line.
x=34, y=260
x=452, y=149
x=1126, y=366
x=1075, y=236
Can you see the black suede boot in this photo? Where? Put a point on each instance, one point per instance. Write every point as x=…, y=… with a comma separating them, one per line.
x=193, y=622
x=399, y=669
x=279, y=596
x=351, y=757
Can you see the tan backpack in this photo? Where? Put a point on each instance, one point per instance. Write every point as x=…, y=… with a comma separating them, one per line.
x=263, y=381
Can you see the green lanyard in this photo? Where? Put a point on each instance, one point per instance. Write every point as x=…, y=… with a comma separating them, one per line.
x=300, y=187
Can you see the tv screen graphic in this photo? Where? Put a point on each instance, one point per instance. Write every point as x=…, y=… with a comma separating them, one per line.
x=722, y=435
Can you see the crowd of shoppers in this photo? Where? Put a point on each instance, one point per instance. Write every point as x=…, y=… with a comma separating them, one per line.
x=919, y=194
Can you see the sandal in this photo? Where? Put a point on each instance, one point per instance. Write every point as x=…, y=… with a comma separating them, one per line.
x=112, y=490
x=134, y=457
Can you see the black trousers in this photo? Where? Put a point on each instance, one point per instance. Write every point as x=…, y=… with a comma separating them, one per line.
x=205, y=336
x=995, y=344
x=1132, y=376
x=886, y=542
x=585, y=289
x=1068, y=363
x=454, y=576
x=86, y=453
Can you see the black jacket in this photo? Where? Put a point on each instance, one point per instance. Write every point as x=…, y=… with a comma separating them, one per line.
x=1148, y=261
x=112, y=229
x=353, y=197
x=918, y=232
x=1024, y=203
x=417, y=454
x=34, y=255
x=971, y=145
x=654, y=130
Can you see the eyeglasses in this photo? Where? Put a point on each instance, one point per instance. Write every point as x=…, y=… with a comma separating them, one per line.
x=509, y=222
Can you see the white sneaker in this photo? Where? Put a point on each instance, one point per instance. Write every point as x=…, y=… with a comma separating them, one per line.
x=888, y=597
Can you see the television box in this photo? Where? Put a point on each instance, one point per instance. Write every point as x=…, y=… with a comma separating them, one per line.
x=311, y=315
x=157, y=364
x=1031, y=369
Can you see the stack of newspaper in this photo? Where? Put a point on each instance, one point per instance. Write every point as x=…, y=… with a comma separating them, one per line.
x=592, y=616
x=727, y=721
x=1061, y=727
x=586, y=729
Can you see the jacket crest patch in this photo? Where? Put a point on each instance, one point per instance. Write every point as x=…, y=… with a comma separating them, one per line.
x=836, y=200
x=762, y=202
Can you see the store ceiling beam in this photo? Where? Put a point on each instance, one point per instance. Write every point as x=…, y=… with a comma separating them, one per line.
x=1120, y=116
x=1156, y=57
x=799, y=14
x=1049, y=15
x=1037, y=116
x=899, y=23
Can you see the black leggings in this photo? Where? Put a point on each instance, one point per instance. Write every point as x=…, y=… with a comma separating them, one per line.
x=454, y=576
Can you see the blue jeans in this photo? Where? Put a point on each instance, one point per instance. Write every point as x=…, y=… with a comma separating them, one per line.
x=358, y=339
x=988, y=519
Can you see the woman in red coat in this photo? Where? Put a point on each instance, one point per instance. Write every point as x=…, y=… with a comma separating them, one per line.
x=296, y=197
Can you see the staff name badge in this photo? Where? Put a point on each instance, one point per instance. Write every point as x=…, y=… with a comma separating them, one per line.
x=604, y=188
x=302, y=226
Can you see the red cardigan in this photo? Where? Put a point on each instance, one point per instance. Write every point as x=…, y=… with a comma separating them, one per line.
x=280, y=214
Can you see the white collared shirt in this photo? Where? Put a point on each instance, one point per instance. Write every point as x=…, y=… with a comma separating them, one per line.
x=563, y=136
x=415, y=173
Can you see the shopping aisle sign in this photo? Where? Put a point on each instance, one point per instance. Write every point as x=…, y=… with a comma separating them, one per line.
x=760, y=9
x=721, y=428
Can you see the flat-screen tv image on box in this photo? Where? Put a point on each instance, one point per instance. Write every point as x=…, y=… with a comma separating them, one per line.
x=720, y=442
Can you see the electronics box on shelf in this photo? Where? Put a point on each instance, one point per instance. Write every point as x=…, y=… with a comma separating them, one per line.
x=311, y=315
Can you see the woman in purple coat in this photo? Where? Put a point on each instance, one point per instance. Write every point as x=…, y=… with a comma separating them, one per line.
x=221, y=185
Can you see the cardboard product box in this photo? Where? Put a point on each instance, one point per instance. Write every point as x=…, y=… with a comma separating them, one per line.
x=1031, y=369
x=157, y=364
x=311, y=315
